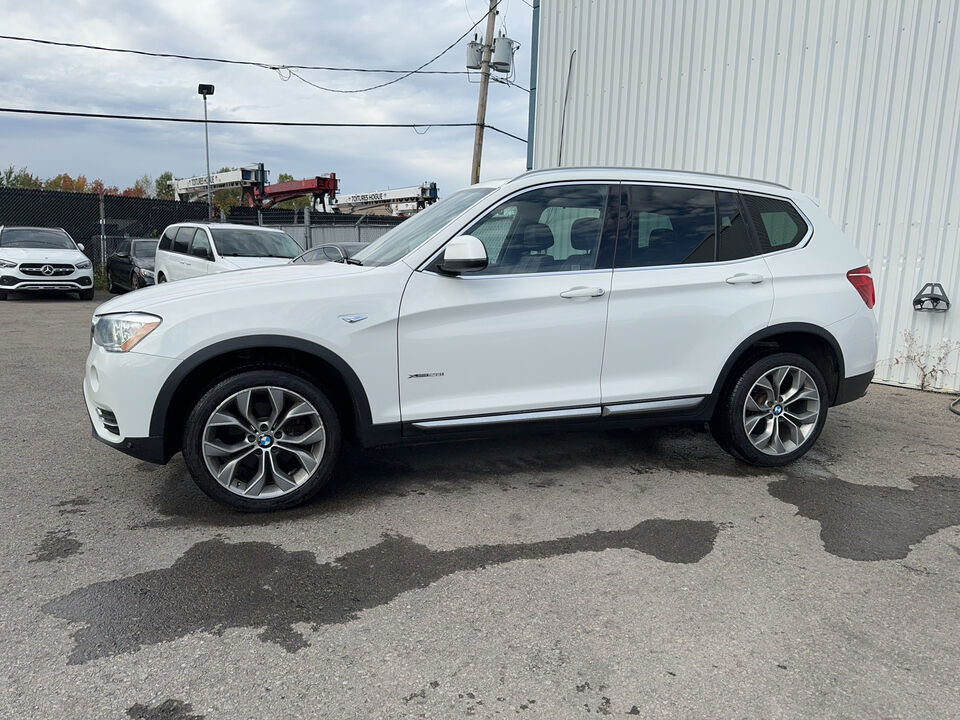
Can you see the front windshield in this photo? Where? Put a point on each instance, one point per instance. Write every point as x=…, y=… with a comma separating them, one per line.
x=411, y=233
x=36, y=238
x=253, y=242
x=145, y=248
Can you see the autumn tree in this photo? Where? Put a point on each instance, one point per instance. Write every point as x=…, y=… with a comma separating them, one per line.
x=13, y=178
x=140, y=189
x=163, y=186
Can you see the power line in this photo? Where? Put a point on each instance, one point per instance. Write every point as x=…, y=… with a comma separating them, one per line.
x=277, y=123
x=402, y=77
x=249, y=63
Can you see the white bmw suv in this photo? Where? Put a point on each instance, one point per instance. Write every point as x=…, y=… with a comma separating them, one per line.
x=36, y=258
x=565, y=298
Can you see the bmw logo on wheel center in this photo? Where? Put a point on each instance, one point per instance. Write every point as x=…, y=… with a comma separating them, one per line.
x=265, y=441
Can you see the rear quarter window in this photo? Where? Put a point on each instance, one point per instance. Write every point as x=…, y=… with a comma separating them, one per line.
x=166, y=242
x=779, y=226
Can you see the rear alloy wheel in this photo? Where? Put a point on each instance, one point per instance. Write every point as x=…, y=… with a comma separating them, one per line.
x=262, y=440
x=161, y=278
x=774, y=412
x=135, y=282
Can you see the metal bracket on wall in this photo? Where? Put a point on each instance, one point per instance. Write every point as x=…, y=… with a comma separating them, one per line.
x=931, y=298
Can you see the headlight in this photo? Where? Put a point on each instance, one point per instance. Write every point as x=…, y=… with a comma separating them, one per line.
x=83, y=265
x=121, y=332
x=144, y=273
x=7, y=264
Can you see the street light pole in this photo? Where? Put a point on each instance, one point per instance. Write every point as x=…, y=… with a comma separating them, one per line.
x=482, y=101
x=207, y=90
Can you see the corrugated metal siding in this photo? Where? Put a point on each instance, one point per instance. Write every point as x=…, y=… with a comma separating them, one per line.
x=855, y=102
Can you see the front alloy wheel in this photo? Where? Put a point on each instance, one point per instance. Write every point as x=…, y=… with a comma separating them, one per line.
x=262, y=440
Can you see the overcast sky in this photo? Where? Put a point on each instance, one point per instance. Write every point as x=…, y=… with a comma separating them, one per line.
x=354, y=33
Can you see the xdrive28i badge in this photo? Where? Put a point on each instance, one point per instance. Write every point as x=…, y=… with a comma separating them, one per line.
x=424, y=375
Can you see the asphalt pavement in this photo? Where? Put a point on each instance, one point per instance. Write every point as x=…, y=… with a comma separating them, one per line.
x=550, y=576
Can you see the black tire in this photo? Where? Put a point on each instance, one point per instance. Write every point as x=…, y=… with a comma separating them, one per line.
x=135, y=282
x=161, y=278
x=111, y=285
x=727, y=424
x=86, y=294
x=3, y=296
x=223, y=389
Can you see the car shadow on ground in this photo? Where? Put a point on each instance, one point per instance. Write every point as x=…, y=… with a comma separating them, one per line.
x=364, y=477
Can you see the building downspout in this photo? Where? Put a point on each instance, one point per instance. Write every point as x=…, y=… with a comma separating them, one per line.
x=534, y=51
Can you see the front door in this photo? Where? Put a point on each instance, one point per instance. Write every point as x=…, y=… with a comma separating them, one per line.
x=525, y=334
x=688, y=286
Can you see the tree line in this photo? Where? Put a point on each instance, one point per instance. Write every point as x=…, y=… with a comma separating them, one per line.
x=161, y=187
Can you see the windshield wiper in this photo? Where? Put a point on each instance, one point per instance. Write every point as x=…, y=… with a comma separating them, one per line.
x=352, y=261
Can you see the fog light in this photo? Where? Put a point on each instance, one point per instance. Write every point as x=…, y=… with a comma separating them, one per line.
x=7, y=280
x=84, y=281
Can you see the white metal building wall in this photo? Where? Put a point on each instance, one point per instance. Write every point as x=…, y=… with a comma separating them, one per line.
x=855, y=102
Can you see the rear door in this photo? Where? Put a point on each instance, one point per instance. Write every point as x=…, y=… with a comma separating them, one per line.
x=682, y=300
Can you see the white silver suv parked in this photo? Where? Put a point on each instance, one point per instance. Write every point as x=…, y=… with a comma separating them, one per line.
x=189, y=250
x=35, y=258
x=568, y=298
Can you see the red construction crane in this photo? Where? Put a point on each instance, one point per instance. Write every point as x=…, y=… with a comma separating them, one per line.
x=319, y=187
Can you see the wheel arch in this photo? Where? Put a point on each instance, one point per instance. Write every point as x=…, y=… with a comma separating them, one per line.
x=811, y=341
x=315, y=362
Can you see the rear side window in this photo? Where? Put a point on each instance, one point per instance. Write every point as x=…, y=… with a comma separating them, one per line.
x=667, y=226
x=735, y=242
x=166, y=242
x=182, y=241
x=779, y=226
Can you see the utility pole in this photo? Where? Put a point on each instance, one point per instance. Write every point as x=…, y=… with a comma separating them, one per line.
x=482, y=102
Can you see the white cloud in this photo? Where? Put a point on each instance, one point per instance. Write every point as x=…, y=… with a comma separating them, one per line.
x=368, y=33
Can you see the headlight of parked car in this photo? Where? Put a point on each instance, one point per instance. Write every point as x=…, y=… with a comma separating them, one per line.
x=83, y=265
x=144, y=273
x=7, y=264
x=121, y=332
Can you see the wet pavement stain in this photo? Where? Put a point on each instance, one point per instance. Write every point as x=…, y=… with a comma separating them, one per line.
x=167, y=710
x=74, y=506
x=56, y=545
x=217, y=585
x=872, y=522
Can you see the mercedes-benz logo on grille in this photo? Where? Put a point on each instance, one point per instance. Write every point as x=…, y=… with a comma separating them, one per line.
x=47, y=269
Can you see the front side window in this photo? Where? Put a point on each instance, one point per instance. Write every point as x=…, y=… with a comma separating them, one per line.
x=779, y=226
x=201, y=245
x=38, y=238
x=552, y=229
x=254, y=242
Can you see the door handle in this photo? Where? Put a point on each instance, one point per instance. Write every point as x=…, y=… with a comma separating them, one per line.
x=582, y=292
x=744, y=278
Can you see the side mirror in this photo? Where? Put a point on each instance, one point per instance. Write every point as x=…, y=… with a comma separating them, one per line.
x=334, y=254
x=464, y=253
x=203, y=253
x=80, y=245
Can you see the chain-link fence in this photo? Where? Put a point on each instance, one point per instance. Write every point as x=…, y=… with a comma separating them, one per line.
x=99, y=222
x=93, y=220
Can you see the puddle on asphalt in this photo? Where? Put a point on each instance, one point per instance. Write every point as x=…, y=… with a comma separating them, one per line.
x=56, y=545
x=872, y=522
x=217, y=585
x=167, y=710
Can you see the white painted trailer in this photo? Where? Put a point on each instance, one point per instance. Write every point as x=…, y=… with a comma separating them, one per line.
x=854, y=102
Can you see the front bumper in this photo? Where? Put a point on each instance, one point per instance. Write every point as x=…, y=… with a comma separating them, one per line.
x=119, y=391
x=13, y=280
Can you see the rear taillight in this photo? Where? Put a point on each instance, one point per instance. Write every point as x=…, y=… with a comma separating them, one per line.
x=861, y=279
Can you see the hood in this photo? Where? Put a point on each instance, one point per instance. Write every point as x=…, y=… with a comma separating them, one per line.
x=237, y=282
x=32, y=255
x=147, y=263
x=243, y=263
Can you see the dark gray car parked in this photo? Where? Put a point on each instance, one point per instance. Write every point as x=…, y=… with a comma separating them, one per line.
x=131, y=264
